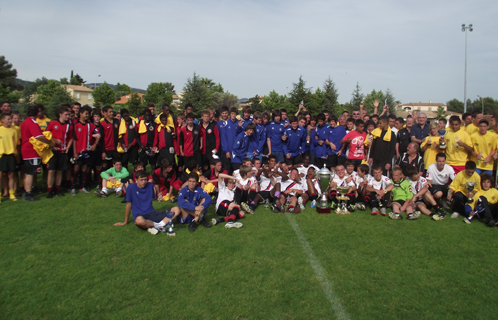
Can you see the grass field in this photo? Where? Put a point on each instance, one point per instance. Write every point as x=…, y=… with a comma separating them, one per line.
x=64, y=259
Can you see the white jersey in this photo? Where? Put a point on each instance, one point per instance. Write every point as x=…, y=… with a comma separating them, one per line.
x=354, y=175
x=365, y=178
x=417, y=185
x=224, y=194
x=379, y=185
x=248, y=182
x=440, y=178
x=264, y=183
x=342, y=182
x=304, y=170
x=315, y=184
x=289, y=184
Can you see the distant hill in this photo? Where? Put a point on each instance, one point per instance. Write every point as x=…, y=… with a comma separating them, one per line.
x=243, y=100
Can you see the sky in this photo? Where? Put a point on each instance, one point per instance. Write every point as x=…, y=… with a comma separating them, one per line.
x=416, y=49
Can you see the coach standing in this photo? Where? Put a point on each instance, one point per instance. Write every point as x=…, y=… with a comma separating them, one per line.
x=420, y=130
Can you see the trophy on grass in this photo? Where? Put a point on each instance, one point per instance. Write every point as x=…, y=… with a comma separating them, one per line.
x=469, y=186
x=324, y=176
x=442, y=144
x=343, y=200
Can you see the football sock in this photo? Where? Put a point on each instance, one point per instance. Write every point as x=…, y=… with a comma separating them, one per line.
x=104, y=190
x=158, y=225
x=57, y=188
x=50, y=189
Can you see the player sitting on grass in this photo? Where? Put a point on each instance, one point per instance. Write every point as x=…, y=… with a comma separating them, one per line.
x=290, y=190
x=438, y=177
x=402, y=196
x=225, y=204
x=422, y=198
x=269, y=190
x=341, y=180
x=246, y=186
x=311, y=188
x=458, y=191
x=193, y=203
x=139, y=202
x=376, y=191
x=165, y=180
x=485, y=202
x=361, y=186
x=113, y=179
x=9, y=153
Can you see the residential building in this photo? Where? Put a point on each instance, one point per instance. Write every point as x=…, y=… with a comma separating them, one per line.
x=80, y=94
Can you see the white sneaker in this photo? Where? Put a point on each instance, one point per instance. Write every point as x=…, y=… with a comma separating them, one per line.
x=233, y=225
x=300, y=202
x=153, y=231
x=455, y=215
x=313, y=204
x=73, y=192
x=417, y=214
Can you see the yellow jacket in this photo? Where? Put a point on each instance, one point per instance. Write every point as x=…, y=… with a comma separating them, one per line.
x=42, y=148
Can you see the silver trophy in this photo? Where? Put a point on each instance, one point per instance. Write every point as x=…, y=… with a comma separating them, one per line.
x=442, y=144
x=324, y=176
x=342, y=198
x=469, y=186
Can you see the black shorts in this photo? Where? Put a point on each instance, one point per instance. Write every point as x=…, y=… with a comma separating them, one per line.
x=207, y=159
x=197, y=157
x=400, y=202
x=294, y=160
x=223, y=208
x=97, y=158
x=436, y=188
x=32, y=166
x=82, y=161
x=8, y=163
x=146, y=159
x=58, y=161
x=158, y=216
x=110, y=155
x=165, y=153
x=332, y=161
x=265, y=194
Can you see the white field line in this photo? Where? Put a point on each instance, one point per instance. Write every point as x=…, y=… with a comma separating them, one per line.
x=319, y=271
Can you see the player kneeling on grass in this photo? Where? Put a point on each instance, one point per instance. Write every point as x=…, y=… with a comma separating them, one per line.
x=139, y=202
x=485, y=202
x=457, y=191
x=225, y=205
x=341, y=180
x=111, y=179
x=361, y=181
x=422, y=198
x=402, y=197
x=377, y=193
x=193, y=203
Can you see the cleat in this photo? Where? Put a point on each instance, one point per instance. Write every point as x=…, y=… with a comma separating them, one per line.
x=85, y=190
x=396, y=216
x=467, y=221
x=491, y=223
x=351, y=208
x=247, y=208
x=29, y=197
x=118, y=194
x=375, y=211
x=412, y=216
x=275, y=208
x=231, y=224
x=205, y=223
x=417, y=214
x=290, y=209
x=153, y=231
x=192, y=226
x=214, y=221
x=437, y=217
x=383, y=211
x=313, y=204
x=454, y=215
x=50, y=195
x=441, y=213
x=333, y=205
x=73, y=192
x=59, y=194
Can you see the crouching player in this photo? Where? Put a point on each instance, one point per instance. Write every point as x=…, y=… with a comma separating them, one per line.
x=457, y=191
x=485, y=202
x=341, y=180
x=311, y=188
x=139, y=202
x=422, y=198
x=402, y=196
x=291, y=189
x=193, y=203
x=225, y=205
x=246, y=186
x=361, y=180
x=113, y=179
x=377, y=193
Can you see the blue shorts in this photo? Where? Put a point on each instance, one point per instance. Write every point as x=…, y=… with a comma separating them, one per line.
x=480, y=171
x=158, y=216
x=279, y=155
x=188, y=219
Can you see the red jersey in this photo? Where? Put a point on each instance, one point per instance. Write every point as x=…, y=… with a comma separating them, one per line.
x=357, y=145
x=61, y=131
x=159, y=180
x=148, y=138
x=163, y=138
x=111, y=130
x=190, y=140
x=131, y=133
x=29, y=128
x=82, y=133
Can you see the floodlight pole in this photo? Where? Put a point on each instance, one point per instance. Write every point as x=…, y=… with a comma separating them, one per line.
x=482, y=102
x=464, y=29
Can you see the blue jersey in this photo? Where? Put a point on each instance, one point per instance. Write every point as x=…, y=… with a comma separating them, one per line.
x=257, y=140
x=335, y=136
x=321, y=133
x=296, y=141
x=229, y=134
x=245, y=122
x=221, y=129
x=140, y=198
x=240, y=147
x=275, y=131
x=188, y=200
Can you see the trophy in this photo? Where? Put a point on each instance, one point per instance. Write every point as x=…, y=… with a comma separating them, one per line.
x=342, y=209
x=442, y=144
x=324, y=176
x=469, y=186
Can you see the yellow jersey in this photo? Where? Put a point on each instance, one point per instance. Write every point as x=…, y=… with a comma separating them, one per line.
x=483, y=144
x=458, y=185
x=43, y=123
x=431, y=152
x=491, y=195
x=471, y=129
x=455, y=154
x=9, y=141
